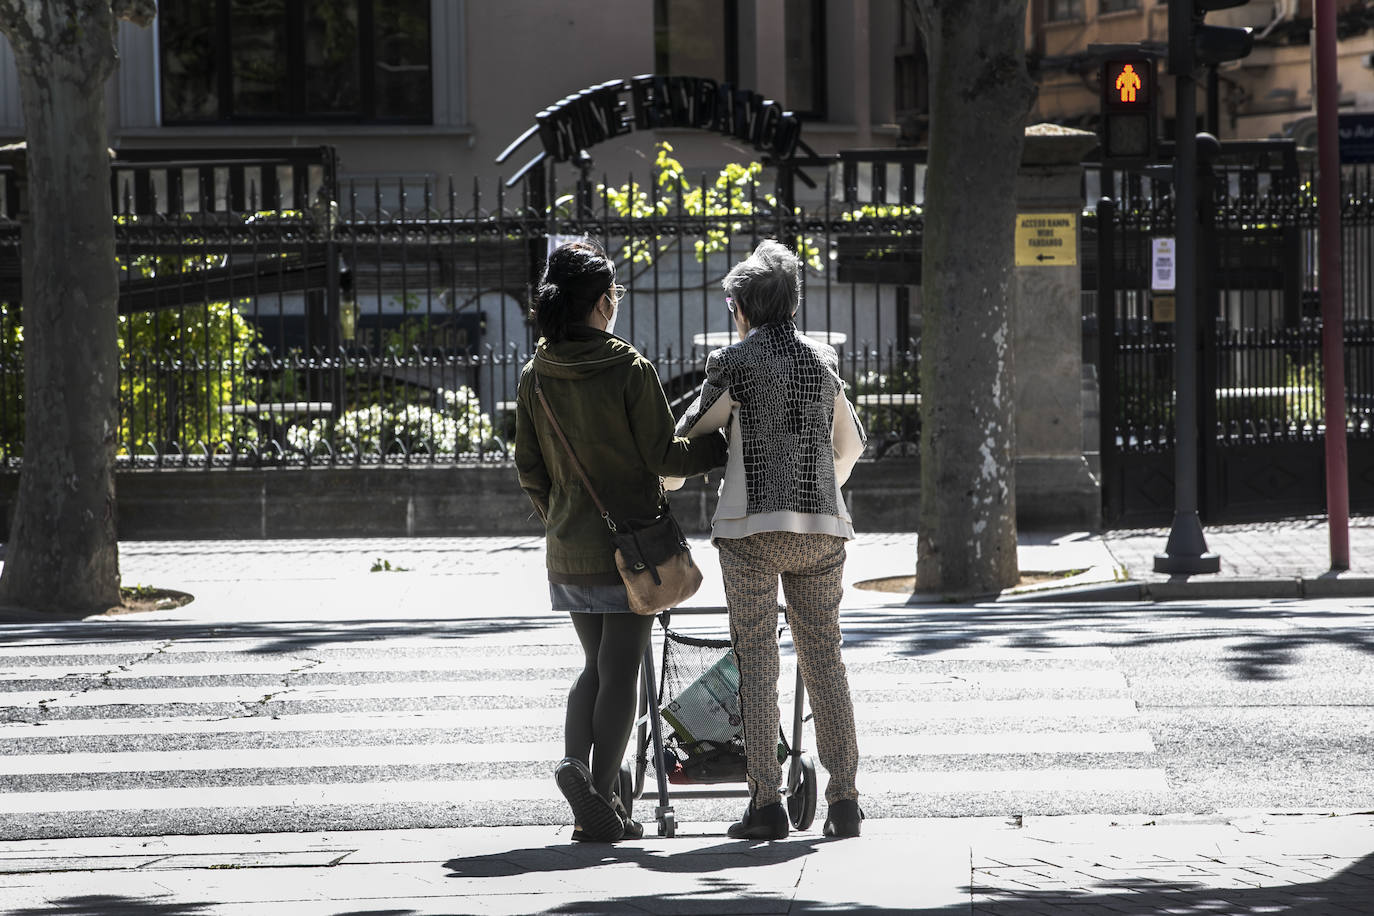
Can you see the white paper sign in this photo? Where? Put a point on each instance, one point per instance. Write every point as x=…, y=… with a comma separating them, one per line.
x=1163, y=265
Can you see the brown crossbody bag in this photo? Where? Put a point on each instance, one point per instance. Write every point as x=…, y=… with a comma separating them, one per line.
x=652, y=555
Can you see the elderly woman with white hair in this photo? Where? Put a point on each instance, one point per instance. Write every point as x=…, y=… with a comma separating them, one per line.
x=794, y=438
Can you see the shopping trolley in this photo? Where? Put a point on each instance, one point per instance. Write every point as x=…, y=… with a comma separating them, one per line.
x=696, y=703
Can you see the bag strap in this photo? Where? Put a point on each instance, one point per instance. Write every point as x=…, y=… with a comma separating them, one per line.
x=577, y=465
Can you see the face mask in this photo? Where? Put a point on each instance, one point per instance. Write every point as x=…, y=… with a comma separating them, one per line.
x=610, y=324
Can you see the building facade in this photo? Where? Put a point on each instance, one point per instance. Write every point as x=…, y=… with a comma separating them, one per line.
x=1268, y=94
x=406, y=89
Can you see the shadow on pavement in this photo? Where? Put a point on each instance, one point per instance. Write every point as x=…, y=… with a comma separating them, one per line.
x=713, y=891
x=112, y=905
x=1350, y=890
x=274, y=636
x=1251, y=656
x=574, y=856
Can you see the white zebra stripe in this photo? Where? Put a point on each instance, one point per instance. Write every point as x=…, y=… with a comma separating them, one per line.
x=273, y=758
x=949, y=782
x=544, y=752
x=920, y=783
x=549, y=716
x=307, y=722
x=249, y=693
x=111, y=654
x=494, y=689
x=859, y=677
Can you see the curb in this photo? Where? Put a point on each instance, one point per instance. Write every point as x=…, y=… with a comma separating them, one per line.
x=1327, y=586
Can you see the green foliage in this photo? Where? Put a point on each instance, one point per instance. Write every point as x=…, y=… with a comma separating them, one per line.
x=892, y=421
x=412, y=332
x=457, y=427
x=1303, y=391
x=730, y=204
x=177, y=369
x=882, y=211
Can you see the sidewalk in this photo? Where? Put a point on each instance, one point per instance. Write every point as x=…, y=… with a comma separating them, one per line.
x=1290, y=558
x=1316, y=864
x=1263, y=560
x=1311, y=862
x=1282, y=559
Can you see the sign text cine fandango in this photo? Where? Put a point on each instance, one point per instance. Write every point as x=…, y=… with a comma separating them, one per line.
x=646, y=102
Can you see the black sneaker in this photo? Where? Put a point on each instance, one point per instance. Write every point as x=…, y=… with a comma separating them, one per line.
x=843, y=818
x=766, y=823
x=596, y=820
x=634, y=830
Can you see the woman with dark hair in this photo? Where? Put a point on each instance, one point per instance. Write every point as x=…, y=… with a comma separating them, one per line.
x=610, y=405
x=794, y=438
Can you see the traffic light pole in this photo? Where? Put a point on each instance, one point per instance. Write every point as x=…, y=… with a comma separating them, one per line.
x=1186, y=551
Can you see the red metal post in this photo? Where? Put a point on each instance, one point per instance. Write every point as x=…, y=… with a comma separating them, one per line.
x=1333, y=309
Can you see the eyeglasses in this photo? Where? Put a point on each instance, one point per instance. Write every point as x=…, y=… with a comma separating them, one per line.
x=730, y=304
x=615, y=293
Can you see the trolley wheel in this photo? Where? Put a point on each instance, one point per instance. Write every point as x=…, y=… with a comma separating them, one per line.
x=667, y=825
x=627, y=788
x=801, y=801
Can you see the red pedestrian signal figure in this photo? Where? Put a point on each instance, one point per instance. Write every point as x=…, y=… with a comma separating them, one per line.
x=1127, y=83
x=1127, y=123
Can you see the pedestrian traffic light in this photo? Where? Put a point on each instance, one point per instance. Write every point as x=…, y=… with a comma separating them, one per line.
x=1127, y=129
x=1191, y=42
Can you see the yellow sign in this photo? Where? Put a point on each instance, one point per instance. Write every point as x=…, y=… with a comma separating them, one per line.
x=1046, y=239
x=1162, y=310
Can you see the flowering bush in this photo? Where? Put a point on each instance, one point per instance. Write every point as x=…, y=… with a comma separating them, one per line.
x=456, y=427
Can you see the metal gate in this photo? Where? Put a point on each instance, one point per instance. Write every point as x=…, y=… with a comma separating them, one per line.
x=271, y=315
x=1259, y=365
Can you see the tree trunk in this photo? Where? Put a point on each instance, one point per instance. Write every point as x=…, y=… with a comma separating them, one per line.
x=980, y=95
x=62, y=555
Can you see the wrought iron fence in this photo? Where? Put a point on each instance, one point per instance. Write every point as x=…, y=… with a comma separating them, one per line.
x=1260, y=374
x=270, y=317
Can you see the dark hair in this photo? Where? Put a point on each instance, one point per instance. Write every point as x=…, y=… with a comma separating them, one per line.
x=766, y=286
x=576, y=275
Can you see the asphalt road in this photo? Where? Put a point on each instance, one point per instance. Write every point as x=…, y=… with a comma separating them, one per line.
x=134, y=727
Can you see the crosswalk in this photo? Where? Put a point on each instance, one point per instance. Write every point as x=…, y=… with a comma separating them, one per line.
x=216, y=731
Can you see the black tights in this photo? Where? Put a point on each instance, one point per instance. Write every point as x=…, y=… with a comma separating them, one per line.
x=601, y=703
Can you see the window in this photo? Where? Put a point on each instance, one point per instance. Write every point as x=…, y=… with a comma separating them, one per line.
x=295, y=60
x=697, y=38
x=1062, y=10
x=703, y=37
x=1116, y=6
x=805, y=57
x=911, y=95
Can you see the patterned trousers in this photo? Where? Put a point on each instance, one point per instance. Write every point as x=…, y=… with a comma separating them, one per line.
x=810, y=566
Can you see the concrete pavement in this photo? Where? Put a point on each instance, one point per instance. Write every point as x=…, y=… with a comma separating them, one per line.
x=1309, y=862
x=1317, y=864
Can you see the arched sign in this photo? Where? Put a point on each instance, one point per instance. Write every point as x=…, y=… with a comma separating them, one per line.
x=618, y=107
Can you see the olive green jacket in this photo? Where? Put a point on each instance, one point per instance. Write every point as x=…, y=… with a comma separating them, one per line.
x=609, y=402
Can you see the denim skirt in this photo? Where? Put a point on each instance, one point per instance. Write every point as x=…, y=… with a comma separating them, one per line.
x=589, y=599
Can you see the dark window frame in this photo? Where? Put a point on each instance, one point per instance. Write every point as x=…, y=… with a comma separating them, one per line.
x=1106, y=7
x=296, y=82
x=910, y=72
x=1064, y=11
x=730, y=43
x=820, y=109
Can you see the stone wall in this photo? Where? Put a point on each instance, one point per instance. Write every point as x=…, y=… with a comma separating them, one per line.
x=436, y=502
